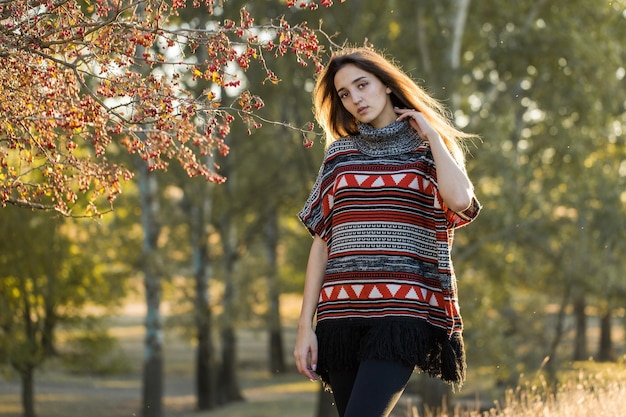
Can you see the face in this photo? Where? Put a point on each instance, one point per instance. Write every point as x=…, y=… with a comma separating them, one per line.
x=364, y=96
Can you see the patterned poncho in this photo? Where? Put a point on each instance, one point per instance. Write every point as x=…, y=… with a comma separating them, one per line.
x=389, y=289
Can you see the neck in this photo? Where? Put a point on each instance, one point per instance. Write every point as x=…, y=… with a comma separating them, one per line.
x=394, y=139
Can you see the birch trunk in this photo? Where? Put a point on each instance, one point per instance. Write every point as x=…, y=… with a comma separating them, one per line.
x=153, y=359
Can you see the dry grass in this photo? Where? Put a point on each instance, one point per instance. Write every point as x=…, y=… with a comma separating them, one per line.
x=571, y=401
x=588, y=389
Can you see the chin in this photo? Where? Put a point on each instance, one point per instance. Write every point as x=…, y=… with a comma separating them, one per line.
x=365, y=119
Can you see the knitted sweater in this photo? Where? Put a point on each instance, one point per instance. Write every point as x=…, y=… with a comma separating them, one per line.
x=389, y=289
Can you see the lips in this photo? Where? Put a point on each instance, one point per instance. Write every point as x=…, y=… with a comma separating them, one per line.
x=361, y=110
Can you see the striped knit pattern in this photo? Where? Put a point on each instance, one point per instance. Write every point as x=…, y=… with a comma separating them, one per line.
x=389, y=237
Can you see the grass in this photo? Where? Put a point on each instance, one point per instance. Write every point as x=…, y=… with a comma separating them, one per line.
x=576, y=398
x=585, y=389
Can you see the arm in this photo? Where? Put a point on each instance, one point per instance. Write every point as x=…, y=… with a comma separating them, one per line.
x=305, y=351
x=454, y=185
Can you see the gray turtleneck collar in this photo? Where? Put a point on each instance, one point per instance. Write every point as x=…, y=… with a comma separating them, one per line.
x=394, y=139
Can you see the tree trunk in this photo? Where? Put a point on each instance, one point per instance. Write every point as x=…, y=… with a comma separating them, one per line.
x=276, y=353
x=605, y=351
x=28, y=390
x=420, y=36
x=458, y=29
x=201, y=206
x=229, y=385
x=550, y=364
x=50, y=318
x=228, y=390
x=458, y=18
x=205, y=354
x=580, y=341
x=152, y=380
x=205, y=367
x=325, y=404
x=153, y=360
x=29, y=357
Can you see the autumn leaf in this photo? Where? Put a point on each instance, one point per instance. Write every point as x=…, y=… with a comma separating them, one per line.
x=77, y=86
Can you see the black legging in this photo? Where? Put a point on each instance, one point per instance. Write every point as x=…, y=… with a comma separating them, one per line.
x=370, y=391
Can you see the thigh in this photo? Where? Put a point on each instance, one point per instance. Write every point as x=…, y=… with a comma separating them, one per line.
x=377, y=388
x=341, y=383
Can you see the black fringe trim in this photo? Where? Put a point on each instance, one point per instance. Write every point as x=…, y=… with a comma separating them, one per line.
x=343, y=343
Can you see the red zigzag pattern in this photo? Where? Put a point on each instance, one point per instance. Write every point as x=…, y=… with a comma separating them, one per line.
x=404, y=180
x=374, y=291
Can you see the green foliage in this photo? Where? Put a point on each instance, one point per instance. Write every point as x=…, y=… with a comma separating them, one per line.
x=93, y=351
x=50, y=270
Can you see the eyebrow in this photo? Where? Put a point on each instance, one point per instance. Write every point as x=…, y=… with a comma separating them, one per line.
x=356, y=80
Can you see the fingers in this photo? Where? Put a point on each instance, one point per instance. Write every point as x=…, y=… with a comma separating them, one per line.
x=306, y=369
x=417, y=121
x=311, y=371
x=404, y=113
x=305, y=354
x=415, y=118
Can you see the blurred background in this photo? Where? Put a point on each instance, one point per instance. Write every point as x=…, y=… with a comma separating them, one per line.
x=85, y=307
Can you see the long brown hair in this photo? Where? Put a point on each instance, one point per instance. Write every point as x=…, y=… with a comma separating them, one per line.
x=337, y=122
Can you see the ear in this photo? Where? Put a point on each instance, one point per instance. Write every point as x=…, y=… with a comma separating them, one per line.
x=388, y=90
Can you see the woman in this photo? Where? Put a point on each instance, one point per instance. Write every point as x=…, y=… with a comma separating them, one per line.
x=379, y=280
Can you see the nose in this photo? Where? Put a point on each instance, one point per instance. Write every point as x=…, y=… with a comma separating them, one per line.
x=356, y=99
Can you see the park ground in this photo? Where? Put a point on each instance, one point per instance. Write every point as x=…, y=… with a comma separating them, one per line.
x=63, y=394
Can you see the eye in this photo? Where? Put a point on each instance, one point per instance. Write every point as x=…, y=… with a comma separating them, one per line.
x=362, y=85
x=343, y=95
